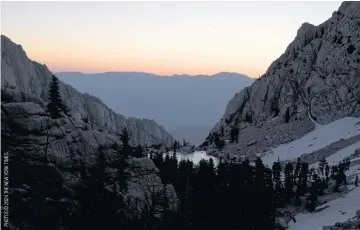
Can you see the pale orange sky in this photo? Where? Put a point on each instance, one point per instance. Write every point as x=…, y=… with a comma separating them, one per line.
x=159, y=37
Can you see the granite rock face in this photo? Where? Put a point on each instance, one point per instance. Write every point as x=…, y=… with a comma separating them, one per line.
x=73, y=141
x=27, y=130
x=317, y=78
x=30, y=77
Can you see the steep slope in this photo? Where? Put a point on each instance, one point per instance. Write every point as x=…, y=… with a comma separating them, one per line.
x=29, y=136
x=335, y=142
x=340, y=208
x=316, y=79
x=31, y=77
x=347, y=128
x=190, y=100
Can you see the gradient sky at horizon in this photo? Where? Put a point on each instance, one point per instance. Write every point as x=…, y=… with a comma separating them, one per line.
x=158, y=37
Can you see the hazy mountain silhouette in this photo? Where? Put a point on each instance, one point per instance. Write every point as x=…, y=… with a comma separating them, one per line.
x=176, y=101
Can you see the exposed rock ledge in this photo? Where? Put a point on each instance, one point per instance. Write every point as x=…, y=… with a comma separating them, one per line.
x=27, y=130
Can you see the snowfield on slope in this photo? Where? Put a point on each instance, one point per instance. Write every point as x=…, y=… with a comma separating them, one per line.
x=317, y=139
x=335, y=158
x=340, y=210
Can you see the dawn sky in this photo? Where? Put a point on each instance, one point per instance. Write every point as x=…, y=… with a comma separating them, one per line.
x=158, y=37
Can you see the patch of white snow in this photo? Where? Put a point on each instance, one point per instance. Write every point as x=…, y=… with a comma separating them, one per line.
x=335, y=158
x=317, y=139
x=195, y=157
x=339, y=210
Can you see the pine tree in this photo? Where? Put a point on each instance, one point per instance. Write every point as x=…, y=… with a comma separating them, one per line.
x=322, y=165
x=138, y=151
x=173, y=170
x=314, y=192
x=234, y=134
x=334, y=171
x=125, y=137
x=218, y=141
x=166, y=212
x=184, y=143
x=356, y=180
x=301, y=171
x=55, y=105
x=166, y=169
x=96, y=200
x=289, y=181
x=348, y=163
x=338, y=173
x=51, y=188
x=276, y=169
x=297, y=196
x=327, y=170
x=264, y=196
x=174, y=147
x=297, y=171
x=123, y=152
x=341, y=173
x=287, y=115
x=337, y=185
x=248, y=118
x=303, y=178
x=323, y=185
x=183, y=177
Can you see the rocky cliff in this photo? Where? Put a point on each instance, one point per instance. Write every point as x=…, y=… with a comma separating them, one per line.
x=316, y=79
x=54, y=157
x=30, y=135
x=31, y=77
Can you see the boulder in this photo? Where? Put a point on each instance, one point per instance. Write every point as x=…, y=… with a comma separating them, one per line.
x=281, y=224
x=331, y=185
x=357, y=152
x=358, y=214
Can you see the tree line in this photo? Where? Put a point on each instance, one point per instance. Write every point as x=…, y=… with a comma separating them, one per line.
x=230, y=194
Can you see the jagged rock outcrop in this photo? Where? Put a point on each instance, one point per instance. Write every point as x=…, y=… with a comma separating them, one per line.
x=317, y=78
x=29, y=133
x=31, y=77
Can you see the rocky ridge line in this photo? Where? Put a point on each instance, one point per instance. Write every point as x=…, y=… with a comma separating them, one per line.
x=316, y=79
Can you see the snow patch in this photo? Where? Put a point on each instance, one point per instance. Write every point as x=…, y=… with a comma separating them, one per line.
x=317, y=139
x=317, y=125
x=335, y=158
x=339, y=210
x=195, y=157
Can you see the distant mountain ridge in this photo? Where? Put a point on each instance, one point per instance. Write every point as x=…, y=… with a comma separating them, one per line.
x=194, y=134
x=127, y=73
x=177, y=102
